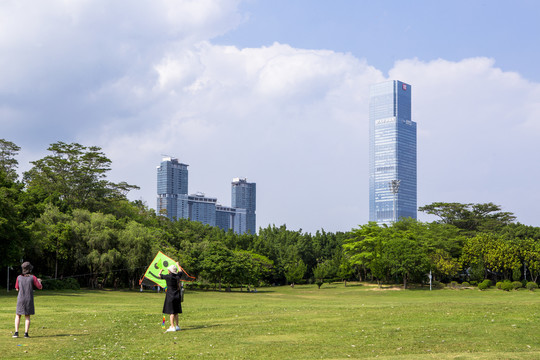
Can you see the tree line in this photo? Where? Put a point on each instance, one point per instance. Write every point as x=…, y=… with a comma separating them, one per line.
x=72, y=223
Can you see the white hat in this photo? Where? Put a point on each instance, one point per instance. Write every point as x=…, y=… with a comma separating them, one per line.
x=173, y=269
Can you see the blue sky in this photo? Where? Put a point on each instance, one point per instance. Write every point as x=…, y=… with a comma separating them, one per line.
x=277, y=92
x=386, y=31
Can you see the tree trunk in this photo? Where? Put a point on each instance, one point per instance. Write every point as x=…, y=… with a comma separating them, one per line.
x=56, y=265
x=405, y=281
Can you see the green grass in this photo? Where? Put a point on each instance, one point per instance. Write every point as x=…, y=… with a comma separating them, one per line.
x=335, y=322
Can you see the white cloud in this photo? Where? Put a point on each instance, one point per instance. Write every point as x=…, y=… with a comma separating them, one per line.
x=141, y=79
x=226, y=124
x=478, y=127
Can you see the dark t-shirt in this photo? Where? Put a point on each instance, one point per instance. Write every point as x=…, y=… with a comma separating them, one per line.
x=172, y=304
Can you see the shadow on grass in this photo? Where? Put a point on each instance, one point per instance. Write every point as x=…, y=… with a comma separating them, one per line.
x=56, y=335
x=235, y=291
x=55, y=293
x=198, y=327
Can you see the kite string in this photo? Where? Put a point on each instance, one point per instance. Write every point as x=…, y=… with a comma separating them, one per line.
x=94, y=273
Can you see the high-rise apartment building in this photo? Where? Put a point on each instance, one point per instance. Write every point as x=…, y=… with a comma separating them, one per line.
x=228, y=218
x=172, y=188
x=202, y=209
x=244, y=197
x=174, y=202
x=392, y=153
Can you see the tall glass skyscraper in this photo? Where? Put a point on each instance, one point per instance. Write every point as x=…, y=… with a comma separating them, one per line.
x=243, y=197
x=172, y=188
x=392, y=153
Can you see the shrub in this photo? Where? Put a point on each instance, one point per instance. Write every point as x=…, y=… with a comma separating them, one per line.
x=499, y=285
x=483, y=286
x=453, y=285
x=465, y=284
x=507, y=285
x=516, y=285
x=487, y=283
x=474, y=283
x=531, y=285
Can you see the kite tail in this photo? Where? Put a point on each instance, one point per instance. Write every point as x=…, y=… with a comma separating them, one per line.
x=163, y=326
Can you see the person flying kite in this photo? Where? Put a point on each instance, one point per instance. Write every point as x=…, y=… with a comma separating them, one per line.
x=168, y=274
x=172, y=304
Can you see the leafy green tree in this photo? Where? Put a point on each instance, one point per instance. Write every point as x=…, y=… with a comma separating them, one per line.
x=52, y=230
x=295, y=271
x=138, y=245
x=470, y=217
x=530, y=250
x=74, y=175
x=365, y=249
x=216, y=263
x=346, y=270
x=405, y=256
x=249, y=268
x=321, y=272
x=477, y=271
x=443, y=264
x=95, y=243
x=241, y=268
x=8, y=163
x=497, y=254
x=262, y=267
x=14, y=236
x=520, y=231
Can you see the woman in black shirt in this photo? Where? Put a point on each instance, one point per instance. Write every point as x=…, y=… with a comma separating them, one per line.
x=172, y=305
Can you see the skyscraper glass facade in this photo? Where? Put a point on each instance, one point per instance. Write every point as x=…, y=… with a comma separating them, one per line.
x=392, y=153
x=202, y=209
x=172, y=188
x=244, y=197
x=224, y=217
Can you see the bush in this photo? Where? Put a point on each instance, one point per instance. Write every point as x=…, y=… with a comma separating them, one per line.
x=465, y=284
x=488, y=283
x=531, y=285
x=506, y=285
x=483, y=286
x=453, y=285
x=499, y=285
x=516, y=285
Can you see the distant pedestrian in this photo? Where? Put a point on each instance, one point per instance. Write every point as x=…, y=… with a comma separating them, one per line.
x=25, y=299
x=173, y=302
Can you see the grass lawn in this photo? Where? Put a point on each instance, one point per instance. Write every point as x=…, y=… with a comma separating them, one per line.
x=335, y=322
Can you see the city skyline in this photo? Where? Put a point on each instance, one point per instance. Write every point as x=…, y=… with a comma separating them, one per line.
x=175, y=202
x=278, y=92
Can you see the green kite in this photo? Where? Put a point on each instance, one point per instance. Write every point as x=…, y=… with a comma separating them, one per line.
x=162, y=262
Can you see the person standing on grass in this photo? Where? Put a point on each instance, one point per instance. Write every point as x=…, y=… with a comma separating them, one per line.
x=172, y=305
x=25, y=298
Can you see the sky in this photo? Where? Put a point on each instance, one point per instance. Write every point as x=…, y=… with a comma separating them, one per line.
x=278, y=92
